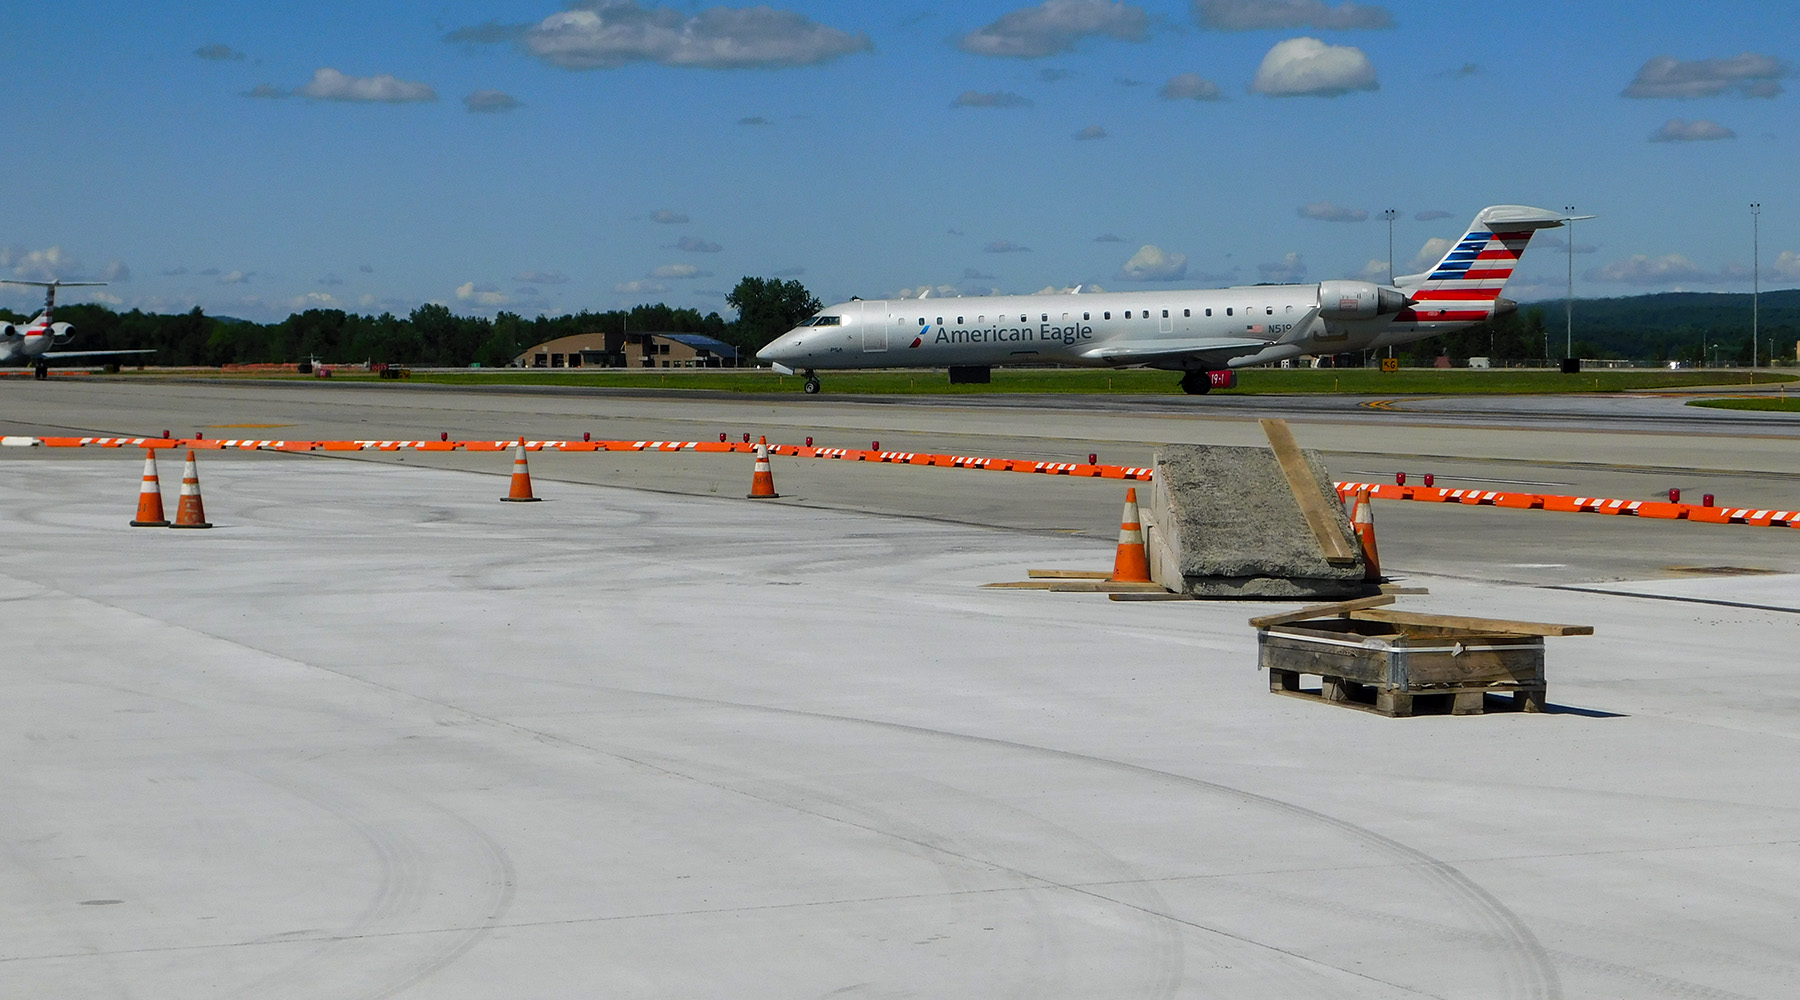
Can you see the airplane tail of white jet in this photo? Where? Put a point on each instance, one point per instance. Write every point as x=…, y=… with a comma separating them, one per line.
x=1465, y=285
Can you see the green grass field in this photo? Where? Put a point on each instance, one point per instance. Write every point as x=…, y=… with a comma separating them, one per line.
x=1355, y=381
x=1778, y=404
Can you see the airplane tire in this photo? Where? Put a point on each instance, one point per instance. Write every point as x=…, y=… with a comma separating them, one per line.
x=811, y=387
x=40, y=370
x=1196, y=383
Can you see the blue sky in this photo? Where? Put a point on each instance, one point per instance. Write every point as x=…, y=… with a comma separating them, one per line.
x=489, y=154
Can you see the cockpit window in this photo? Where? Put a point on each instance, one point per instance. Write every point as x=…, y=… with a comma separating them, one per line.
x=823, y=321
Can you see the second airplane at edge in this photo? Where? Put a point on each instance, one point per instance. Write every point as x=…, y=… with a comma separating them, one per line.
x=1203, y=334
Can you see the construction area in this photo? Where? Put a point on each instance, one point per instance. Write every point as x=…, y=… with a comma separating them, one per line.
x=376, y=732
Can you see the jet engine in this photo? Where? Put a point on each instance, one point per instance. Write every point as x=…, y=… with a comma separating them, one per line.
x=61, y=332
x=1359, y=300
x=8, y=331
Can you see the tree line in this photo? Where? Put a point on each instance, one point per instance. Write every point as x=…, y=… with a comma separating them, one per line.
x=430, y=335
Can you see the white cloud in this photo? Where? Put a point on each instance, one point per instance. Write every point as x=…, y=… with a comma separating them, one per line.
x=219, y=52
x=1787, y=265
x=1256, y=15
x=115, y=271
x=1325, y=211
x=1289, y=268
x=236, y=277
x=1669, y=270
x=639, y=288
x=1698, y=130
x=106, y=299
x=678, y=272
x=613, y=33
x=693, y=244
x=482, y=295
x=941, y=291
x=667, y=217
x=541, y=277
x=1190, y=87
x=1307, y=67
x=48, y=264
x=1374, y=270
x=491, y=102
x=1153, y=263
x=1431, y=214
x=330, y=85
x=1005, y=246
x=1089, y=133
x=990, y=99
x=313, y=300
x=1750, y=74
x=1067, y=289
x=1429, y=254
x=1056, y=26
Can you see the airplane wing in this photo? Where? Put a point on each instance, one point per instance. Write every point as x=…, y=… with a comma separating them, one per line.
x=56, y=355
x=1168, y=350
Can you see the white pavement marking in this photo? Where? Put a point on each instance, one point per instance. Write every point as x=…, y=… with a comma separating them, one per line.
x=376, y=733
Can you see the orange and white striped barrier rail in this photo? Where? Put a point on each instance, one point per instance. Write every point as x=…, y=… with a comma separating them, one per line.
x=1081, y=470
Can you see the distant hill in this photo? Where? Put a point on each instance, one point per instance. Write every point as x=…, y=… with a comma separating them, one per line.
x=1664, y=326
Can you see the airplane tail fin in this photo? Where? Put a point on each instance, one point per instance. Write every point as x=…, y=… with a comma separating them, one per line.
x=1466, y=283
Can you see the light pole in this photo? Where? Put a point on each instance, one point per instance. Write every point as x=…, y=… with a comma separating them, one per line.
x=1756, y=277
x=1389, y=216
x=1569, y=303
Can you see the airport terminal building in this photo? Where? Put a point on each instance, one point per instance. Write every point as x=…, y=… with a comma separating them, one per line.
x=630, y=349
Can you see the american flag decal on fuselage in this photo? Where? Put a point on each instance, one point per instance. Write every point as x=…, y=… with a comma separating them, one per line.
x=1464, y=285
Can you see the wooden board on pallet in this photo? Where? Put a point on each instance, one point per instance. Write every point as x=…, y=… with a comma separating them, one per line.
x=1314, y=506
x=1068, y=574
x=1460, y=623
x=1321, y=611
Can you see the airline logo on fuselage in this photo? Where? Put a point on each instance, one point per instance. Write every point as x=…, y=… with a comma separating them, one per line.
x=1048, y=333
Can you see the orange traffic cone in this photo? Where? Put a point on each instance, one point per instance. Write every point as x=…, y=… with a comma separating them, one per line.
x=762, y=481
x=1364, y=523
x=521, y=478
x=189, y=513
x=150, y=509
x=1131, y=564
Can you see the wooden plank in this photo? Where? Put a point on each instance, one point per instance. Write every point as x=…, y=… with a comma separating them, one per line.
x=1103, y=587
x=1322, y=611
x=1471, y=624
x=1068, y=574
x=1150, y=596
x=1313, y=504
x=1018, y=585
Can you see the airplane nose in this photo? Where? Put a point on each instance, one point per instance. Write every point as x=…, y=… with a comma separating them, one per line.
x=786, y=347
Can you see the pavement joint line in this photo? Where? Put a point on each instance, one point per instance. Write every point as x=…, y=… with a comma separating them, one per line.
x=1382, y=491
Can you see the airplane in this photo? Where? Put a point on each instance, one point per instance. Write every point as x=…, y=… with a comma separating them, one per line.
x=1204, y=334
x=31, y=343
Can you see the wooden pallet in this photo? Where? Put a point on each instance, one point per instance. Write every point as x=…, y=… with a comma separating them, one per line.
x=1393, y=703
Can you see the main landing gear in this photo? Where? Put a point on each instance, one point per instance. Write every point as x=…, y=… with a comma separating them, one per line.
x=1197, y=383
x=811, y=386
x=40, y=369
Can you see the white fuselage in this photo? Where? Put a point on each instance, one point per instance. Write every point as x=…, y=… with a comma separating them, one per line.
x=1184, y=329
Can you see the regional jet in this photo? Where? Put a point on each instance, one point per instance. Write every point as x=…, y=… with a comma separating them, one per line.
x=1204, y=334
x=31, y=343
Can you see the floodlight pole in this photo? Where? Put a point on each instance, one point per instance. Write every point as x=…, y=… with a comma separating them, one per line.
x=1569, y=303
x=1389, y=216
x=1756, y=277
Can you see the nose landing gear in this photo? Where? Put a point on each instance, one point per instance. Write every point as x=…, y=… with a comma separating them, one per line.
x=811, y=386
